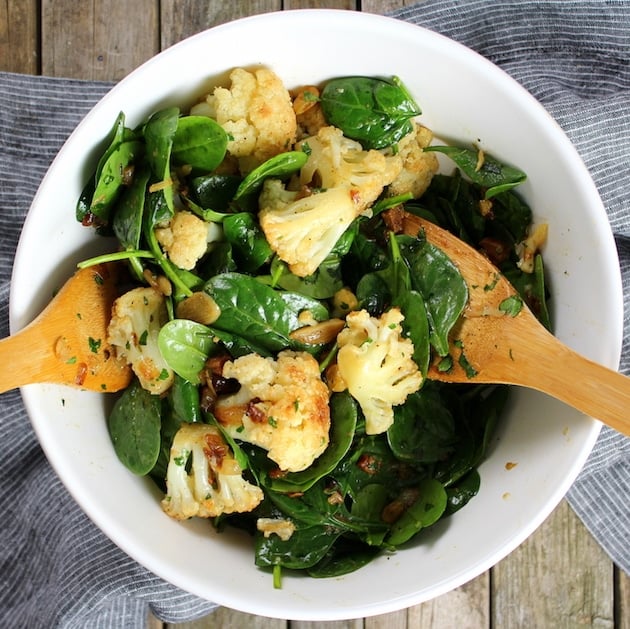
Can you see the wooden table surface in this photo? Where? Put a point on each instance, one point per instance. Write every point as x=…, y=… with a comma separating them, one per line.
x=560, y=577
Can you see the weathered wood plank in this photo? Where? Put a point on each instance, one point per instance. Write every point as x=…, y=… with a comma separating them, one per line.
x=153, y=622
x=333, y=624
x=622, y=599
x=384, y=6
x=467, y=607
x=183, y=18
x=19, y=36
x=97, y=40
x=393, y=620
x=321, y=4
x=224, y=618
x=560, y=577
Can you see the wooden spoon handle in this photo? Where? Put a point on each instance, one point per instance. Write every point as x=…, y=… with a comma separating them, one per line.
x=41, y=353
x=23, y=360
x=589, y=387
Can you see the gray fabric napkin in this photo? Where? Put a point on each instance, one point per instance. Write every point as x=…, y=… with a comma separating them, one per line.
x=56, y=568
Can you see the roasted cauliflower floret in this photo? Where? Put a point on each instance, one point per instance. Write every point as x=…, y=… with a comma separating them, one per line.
x=257, y=113
x=137, y=317
x=375, y=363
x=336, y=161
x=418, y=166
x=184, y=239
x=303, y=230
x=341, y=181
x=203, y=478
x=282, y=407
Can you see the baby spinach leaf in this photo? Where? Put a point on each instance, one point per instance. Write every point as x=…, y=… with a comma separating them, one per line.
x=373, y=293
x=159, y=132
x=279, y=167
x=442, y=287
x=255, y=311
x=424, y=429
x=306, y=547
x=82, y=209
x=171, y=422
x=127, y=222
x=219, y=260
x=250, y=248
x=134, y=428
x=483, y=169
x=343, y=557
x=374, y=111
x=301, y=303
x=453, y=203
x=322, y=284
x=368, y=505
x=427, y=510
x=416, y=327
x=199, y=142
x=112, y=177
x=371, y=460
x=237, y=345
x=185, y=346
x=512, y=217
x=184, y=398
x=116, y=136
x=537, y=297
x=214, y=191
x=461, y=492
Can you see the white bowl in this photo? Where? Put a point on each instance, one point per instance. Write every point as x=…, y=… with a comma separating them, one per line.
x=463, y=96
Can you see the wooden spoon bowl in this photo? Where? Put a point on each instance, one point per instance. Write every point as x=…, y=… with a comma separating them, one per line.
x=489, y=345
x=67, y=343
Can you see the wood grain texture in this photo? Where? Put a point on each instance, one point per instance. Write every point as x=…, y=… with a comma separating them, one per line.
x=19, y=36
x=622, y=600
x=224, y=618
x=99, y=40
x=183, y=18
x=559, y=577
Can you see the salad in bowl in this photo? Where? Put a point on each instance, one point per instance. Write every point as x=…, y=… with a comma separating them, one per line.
x=281, y=320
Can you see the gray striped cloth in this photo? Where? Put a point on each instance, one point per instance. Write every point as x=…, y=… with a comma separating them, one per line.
x=56, y=568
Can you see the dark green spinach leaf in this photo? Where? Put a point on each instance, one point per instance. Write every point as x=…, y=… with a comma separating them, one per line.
x=376, y=112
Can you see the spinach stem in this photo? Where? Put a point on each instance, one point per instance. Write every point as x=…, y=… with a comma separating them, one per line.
x=115, y=257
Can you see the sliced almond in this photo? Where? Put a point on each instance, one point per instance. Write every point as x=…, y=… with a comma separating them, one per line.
x=199, y=307
x=318, y=333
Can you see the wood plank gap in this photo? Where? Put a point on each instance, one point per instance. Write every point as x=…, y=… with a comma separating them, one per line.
x=38, y=37
x=490, y=602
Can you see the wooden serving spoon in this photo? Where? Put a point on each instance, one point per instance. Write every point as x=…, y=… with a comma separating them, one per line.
x=67, y=342
x=492, y=346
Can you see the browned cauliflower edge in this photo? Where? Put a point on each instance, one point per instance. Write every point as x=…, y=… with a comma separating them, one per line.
x=137, y=317
x=282, y=407
x=214, y=484
x=256, y=112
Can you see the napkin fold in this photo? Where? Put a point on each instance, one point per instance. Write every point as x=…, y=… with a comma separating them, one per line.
x=59, y=570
